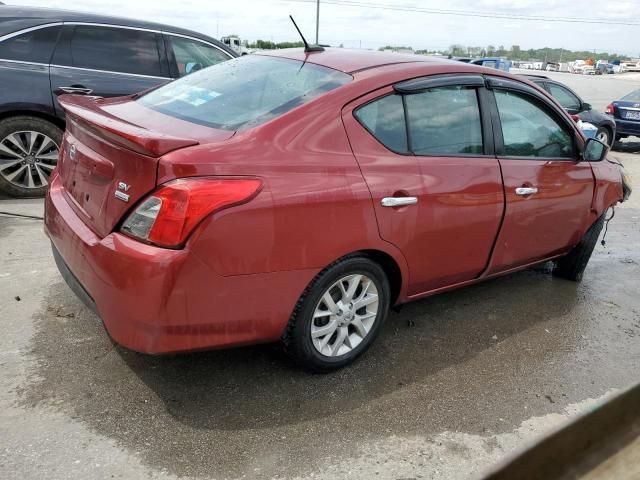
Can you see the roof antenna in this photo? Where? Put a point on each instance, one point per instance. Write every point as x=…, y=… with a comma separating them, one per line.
x=307, y=48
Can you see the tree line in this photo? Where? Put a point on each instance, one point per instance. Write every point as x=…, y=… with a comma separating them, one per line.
x=513, y=53
x=516, y=53
x=268, y=45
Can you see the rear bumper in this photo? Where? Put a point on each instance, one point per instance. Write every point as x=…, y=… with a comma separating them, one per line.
x=155, y=300
x=627, y=127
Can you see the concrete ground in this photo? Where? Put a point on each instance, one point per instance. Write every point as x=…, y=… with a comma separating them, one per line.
x=454, y=383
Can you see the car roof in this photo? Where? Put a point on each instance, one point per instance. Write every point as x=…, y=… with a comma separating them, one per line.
x=353, y=60
x=536, y=78
x=13, y=19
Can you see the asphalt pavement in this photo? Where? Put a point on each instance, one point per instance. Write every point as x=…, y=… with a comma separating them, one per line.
x=453, y=384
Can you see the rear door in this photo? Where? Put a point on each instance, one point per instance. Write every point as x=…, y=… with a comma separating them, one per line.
x=426, y=153
x=548, y=190
x=107, y=61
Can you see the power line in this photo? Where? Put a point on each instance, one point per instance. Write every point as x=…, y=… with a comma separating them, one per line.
x=466, y=13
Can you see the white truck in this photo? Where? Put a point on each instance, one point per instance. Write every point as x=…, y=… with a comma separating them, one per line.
x=234, y=42
x=577, y=66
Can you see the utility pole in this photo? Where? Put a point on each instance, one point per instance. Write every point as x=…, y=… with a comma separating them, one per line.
x=317, y=22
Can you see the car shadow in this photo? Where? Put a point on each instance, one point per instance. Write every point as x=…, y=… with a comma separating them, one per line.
x=238, y=401
x=258, y=387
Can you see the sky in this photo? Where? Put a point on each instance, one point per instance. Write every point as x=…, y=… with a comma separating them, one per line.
x=361, y=26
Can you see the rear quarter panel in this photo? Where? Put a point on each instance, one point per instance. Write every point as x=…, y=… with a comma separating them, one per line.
x=314, y=206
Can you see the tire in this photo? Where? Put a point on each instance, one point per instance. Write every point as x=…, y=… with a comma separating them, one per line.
x=604, y=135
x=309, y=315
x=572, y=265
x=28, y=154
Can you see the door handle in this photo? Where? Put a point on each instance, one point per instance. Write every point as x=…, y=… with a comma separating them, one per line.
x=76, y=90
x=398, y=201
x=526, y=190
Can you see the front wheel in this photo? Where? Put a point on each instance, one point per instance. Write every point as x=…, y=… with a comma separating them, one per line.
x=339, y=315
x=572, y=265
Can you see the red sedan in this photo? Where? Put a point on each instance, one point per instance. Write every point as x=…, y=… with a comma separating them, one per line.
x=296, y=196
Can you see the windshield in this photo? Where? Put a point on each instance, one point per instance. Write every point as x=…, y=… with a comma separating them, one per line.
x=632, y=97
x=243, y=92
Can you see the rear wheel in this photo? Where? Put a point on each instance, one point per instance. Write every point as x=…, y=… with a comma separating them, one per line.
x=29, y=148
x=572, y=265
x=604, y=135
x=339, y=315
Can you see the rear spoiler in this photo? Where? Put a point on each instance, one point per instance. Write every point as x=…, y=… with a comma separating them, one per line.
x=86, y=113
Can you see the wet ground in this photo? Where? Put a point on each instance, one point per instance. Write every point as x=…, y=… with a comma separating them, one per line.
x=453, y=383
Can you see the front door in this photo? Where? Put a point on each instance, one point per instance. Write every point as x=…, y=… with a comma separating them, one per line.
x=548, y=190
x=434, y=180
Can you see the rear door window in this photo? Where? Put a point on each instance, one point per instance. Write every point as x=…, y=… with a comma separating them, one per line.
x=445, y=121
x=384, y=118
x=193, y=55
x=115, y=49
x=35, y=46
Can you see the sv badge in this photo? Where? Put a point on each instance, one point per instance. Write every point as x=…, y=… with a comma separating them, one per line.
x=120, y=192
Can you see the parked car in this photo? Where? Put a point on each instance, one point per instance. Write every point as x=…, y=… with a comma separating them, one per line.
x=604, y=69
x=553, y=67
x=632, y=66
x=492, y=62
x=588, y=70
x=572, y=102
x=626, y=113
x=45, y=53
x=296, y=196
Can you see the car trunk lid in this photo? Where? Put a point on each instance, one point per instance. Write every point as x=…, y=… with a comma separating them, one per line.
x=110, y=155
x=627, y=110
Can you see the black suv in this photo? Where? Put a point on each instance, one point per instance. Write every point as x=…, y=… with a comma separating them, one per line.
x=573, y=104
x=45, y=53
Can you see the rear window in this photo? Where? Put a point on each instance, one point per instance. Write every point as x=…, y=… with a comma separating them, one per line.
x=632, y=97
x=243, y=92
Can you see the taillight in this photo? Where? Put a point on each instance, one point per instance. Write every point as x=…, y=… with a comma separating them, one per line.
x=609, y=109
x=168, y=216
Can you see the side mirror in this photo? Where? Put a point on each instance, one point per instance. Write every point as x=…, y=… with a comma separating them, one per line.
x=594, y=150
x=586, y=106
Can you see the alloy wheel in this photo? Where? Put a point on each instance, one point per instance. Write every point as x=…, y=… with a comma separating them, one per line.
x=27, y=158
x=344, y=315
x=603, y=137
